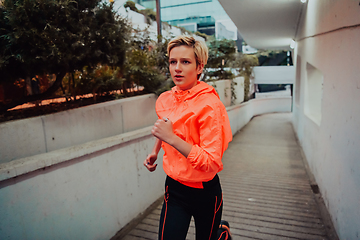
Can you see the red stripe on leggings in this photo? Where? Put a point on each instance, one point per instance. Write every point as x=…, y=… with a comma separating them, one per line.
x=212, y=226
x=215, y=211
x=166, y=200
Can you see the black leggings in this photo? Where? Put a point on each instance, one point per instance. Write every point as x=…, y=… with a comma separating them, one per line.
x=181, y=202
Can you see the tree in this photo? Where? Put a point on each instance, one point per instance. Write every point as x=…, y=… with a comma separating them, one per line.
x=274, y=58
x=40, y=37
x=245, y=64
x=221, y=54
x=149, y=14
x=101, y=79
x=146, y=62
x=131, y=5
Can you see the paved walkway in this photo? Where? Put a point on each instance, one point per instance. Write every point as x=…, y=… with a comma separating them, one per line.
x=267, y=194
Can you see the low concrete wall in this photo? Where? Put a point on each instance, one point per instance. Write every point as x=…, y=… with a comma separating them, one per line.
x=223, y=88
x=239, y=89
x=88, y=191
x=240, y=115
x=28, y=137
x=91, y=190
x=23, y=138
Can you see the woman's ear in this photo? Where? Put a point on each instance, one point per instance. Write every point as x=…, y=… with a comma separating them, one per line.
x=200, y=68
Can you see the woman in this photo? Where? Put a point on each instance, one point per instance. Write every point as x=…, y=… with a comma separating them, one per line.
x=194, y=131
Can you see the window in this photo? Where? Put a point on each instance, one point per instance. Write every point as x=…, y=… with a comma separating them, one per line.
x=313, y=93
x=297, y=80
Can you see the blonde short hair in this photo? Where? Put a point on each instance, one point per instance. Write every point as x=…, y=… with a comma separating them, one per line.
x=200, y=49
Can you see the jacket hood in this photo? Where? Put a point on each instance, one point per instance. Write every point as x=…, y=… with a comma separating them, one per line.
x=198, y=89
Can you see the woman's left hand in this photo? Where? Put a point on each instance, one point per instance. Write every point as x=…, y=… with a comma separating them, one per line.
x=163, y=130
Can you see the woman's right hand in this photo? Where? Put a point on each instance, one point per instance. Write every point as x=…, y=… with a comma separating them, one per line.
x=149, y=162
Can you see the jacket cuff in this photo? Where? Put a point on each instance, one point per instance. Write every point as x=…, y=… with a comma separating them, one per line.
x=194, y=154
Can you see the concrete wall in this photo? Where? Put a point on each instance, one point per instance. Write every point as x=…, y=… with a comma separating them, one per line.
x=328, y=45
x=223, y=88
x=239, y=89
x=138, y=21
x=274, y=75
x=28, y=137
x=89, y=191
x=92, y=190
x=23, y=138
x=240, y=115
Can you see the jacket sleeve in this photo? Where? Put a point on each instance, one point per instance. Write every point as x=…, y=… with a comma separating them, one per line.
x=161, y=103
x=215, y=134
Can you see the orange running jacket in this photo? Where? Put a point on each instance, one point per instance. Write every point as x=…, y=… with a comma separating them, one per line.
x=199, y=118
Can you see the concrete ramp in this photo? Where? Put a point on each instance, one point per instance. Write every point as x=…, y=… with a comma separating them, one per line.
x=267, y=192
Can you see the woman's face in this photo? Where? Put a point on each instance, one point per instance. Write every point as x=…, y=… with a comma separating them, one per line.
x=182, y=66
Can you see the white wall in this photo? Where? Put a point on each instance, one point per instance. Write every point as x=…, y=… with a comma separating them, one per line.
x=92, y=190
x=222, y=32
x=274, y=75
x=223, y=88
x=23, y=138
x=329, y=40
x=138, y=21
x=89, y=191
x=239, y=89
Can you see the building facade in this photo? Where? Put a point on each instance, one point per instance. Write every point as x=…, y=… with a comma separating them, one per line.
x=204, y=16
